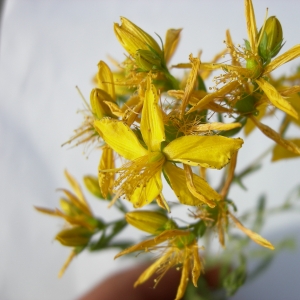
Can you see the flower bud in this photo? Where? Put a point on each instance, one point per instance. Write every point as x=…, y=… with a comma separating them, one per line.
x=133, y=38
x=75, y=236
x=105, y=79
x=147, y=60
x=150, y=221
x=69, y=208
x=271, y=39
x=92, y=184
x=97, y=101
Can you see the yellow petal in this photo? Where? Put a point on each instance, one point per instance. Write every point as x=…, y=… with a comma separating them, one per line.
x=295, y=102
x=287, y=56
x=132, y=101
x=83, y=206
x=231, y=47
x=145, y=245
x=177, y=179
x=152, y=126
x=76, y=188
x=46, y=211
x=275, y=98
x=114, y=109
x=132, y=114
x=182, y=66
x=106, y=79
x=171, y=42
x=191, y=186
x=269, y=132
x=150, y=271
x=120, y=138
x=216, y=126
x=252, y=235
x=210, y=97
x=161, y=202
x=184, y=279
x=67, y=263
x=106, y=179
x=280, y=152
x=190, y=84
x=206, y=151
x=145, y=195
x=197, y=266
x=251, y=25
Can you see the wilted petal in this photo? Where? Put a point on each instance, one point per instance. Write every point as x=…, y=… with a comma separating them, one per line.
x=106, y=179
x=171, y=42
x=184, y=280
x=189, y=177
x=275, y=97
x=190, y=82
x=145, y=245
x=150, y=271
x=177, y=179
x=287, y=56
x=216, y=126
x=218, y=94
x=280, y=152
x=272, y=134
x=75, y=186
x=197, y=265
x=252, y=235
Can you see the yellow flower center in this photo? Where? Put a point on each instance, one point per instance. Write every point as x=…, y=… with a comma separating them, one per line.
x=138, y=172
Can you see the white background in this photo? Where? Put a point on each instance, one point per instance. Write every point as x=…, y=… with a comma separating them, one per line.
x=48, y=47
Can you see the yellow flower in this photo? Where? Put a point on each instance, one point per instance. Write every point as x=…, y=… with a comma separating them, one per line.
x=181, y=250
x=139, y=180
x=255, y=71
x=81, y=222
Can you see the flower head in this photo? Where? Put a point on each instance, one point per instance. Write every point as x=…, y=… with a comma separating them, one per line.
x=140, y=179
x=258, y=66
x=81, y=223
x=180, y=250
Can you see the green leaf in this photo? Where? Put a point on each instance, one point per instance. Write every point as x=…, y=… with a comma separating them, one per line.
x=236, y=278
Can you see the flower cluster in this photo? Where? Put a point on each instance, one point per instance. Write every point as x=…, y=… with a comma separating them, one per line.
x=154, y=130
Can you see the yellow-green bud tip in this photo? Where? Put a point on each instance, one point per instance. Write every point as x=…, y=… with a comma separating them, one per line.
x=150, y=221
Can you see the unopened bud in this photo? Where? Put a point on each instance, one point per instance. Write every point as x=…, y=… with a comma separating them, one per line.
x=271, y=39
x=133, y=38
x=99, y=108
x=147, y=60
x=150, y=221
x=92, y=184
x=75, y=236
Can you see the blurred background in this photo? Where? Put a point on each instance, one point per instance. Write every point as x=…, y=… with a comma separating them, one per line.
x=49, y=47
